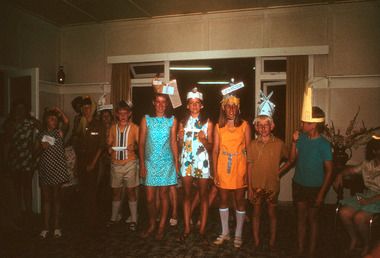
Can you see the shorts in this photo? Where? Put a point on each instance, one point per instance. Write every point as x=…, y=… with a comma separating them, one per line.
x=305, y=194
x=124, y=174
x=261, y=194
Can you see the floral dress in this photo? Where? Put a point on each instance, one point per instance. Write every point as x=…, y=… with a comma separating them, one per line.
x=159, y=161
x=21, y=146
x=194, y=157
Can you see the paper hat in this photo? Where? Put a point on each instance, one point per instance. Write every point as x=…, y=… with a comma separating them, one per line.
x=102, y=103
x=194, y=93
x=266, y=107
x=307, y=108
x=229, y=93
x=160, y=87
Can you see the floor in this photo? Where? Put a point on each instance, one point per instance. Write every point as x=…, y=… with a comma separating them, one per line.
x=120, y=241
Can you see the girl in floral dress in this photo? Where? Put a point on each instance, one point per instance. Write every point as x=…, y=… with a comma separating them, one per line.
x=158, y=154
x=49, y=146
x=195, y=134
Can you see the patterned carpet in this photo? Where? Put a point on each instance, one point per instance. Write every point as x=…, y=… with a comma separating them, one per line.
x=119, y=241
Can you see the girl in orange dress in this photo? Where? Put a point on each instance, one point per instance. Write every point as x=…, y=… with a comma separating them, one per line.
x=231, y=136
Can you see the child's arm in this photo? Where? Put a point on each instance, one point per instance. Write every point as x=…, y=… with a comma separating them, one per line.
x=142, y=136
x=293, y=149
x=248, y=139
x=249, y=171
x=326, y=183
x=339, y=178
x=66, y=121
x=215, y=153
x=365, y=201
x=207, y=142
x=287, y=164
x=173, y=139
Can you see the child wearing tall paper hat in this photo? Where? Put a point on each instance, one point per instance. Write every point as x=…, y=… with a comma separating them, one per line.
x=263, y=156
x=195, y=135
x=231, y=136
x=311, y=181
x=158, y=155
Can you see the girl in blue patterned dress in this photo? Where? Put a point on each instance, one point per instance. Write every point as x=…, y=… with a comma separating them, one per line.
x=158, y=154
x=195, y=134
x=49, y=146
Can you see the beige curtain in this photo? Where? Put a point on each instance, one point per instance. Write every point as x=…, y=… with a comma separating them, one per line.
x=120, y=83
x=296, y=77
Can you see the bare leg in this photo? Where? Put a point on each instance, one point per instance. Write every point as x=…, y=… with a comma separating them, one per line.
x=361, y=220
x=46, y=198
x=313, y=218
x=164, y=207
x=173, y=200
x=272, y=225
x=302, y=210
x=202, y=186
x=194, y=203
x=346, y=214
x=212, y=195
x=151, y=205
x=187, y=185
x=256, y=223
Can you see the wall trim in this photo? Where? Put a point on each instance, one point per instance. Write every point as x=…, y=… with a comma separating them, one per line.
x=75, y=88
x=219, y=54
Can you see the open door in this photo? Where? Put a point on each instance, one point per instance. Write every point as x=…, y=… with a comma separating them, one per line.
x=25, y=83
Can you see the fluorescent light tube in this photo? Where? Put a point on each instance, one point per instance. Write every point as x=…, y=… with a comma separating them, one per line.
x=191, y=68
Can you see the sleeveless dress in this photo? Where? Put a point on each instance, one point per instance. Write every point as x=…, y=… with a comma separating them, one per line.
x=159, y=161
x=52, y=162
x=232, y=162
x=194, y=157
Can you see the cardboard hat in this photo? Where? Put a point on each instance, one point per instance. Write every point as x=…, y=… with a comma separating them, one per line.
x=266, y=107
x=229, y=94
x=307, y=108
x=102, y=103
x=194, y=93
x=160, y=87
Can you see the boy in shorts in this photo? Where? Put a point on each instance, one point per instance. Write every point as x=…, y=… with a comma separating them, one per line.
x=122, y=142
x=312, y=175
x=263, y=156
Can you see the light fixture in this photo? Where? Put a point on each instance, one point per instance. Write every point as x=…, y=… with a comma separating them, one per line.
x=213, y=82
x=205, y=68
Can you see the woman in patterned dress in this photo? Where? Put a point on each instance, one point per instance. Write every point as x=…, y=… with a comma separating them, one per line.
x=231, y=136
x=195, y=134
x=19, y=130
x=49, y=146
x=158, y=154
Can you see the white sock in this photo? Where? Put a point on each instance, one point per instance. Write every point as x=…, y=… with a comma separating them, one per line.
x=224, y=218
x=115, y=210
x=240, y=216
x=133, y=209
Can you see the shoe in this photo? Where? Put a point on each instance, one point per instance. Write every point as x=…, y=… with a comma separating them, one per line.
x=129, y=219
x=146, y=234
x=133, y=226
x=160, y=235
x=44, y=234
x=57, y=233
x=238, y=242
x=173, y=222
x=182, y=238
x=222, y=238
x=111, y=223
x=119, y=217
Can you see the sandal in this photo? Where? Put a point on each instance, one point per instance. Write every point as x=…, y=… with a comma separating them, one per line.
x=146, y=234
x=238, y=242
x=159, y=235
x=203, y=239
x=222, y=238
x=182, y=238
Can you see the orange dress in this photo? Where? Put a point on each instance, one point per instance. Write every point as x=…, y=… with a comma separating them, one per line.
x=232, y=162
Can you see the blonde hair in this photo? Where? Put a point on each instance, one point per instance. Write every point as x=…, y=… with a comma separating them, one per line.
x=264, y=118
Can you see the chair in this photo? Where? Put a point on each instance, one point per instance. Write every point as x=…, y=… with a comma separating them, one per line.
x=373, y=218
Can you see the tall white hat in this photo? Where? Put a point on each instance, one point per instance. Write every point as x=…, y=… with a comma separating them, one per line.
x=266, y=106
x=194, y=93
x=307, y=108
x=102, y=103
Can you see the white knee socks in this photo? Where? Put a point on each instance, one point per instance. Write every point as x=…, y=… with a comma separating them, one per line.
x=240, y=216
x=224, y=218
x=115, y=210
x=133, y=209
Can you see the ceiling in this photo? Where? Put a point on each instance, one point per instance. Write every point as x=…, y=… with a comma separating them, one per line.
x=77, y=12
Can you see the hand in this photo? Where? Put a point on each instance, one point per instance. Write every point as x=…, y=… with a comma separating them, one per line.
x=110, y=150
x=296, y=136
x=45, y=145
x=142, y=172
x=216, y=180
x=338, y=181
x=181, y=134
x=250, y=194
x=202, y=136
x=364, y=201
x=90, y=167
x=318, y=201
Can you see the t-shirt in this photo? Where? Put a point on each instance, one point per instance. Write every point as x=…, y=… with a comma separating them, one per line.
x=122, y=137
x=265, y=158
x=371, y=176
x=312, y=153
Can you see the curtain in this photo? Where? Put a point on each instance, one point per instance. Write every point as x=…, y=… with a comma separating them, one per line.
x=120, y=83
x=296, y=77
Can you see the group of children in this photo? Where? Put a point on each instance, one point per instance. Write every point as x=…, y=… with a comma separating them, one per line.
x=193, y=148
